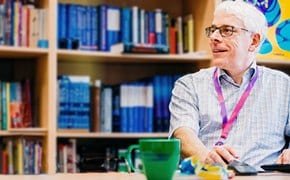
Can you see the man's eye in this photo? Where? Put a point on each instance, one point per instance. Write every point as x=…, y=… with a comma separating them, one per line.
x=226, y=30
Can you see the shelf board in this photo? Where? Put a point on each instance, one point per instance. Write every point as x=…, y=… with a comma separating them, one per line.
x=76, y=55
x=24, y=132
x=67, y=134
x=274, y=61
x=22, y=52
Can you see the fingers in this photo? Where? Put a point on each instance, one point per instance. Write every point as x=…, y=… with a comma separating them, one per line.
x=232, y=151
x=284, y=157
x=214, y=157
x=226, y=153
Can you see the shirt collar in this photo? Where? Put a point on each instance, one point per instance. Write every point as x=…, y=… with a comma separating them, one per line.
x=248, y=75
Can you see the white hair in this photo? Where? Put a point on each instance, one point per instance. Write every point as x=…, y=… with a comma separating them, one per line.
x=252, y=18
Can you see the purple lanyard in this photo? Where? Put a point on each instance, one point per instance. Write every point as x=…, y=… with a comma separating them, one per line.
x=227, y=123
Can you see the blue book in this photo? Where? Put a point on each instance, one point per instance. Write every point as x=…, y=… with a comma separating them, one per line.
x=94, y=39
x=102, y=10
x=2, y=23
x=72, y=25
x=9, y=22
x=166, y=89
x=81, y=26
x=113, y=26
x=124, y=97
x=151, y=28
x=157, y=94
x=126, y=25
x=87, y=36
x=158, y=26
x=61, y=23
x=62, y=101
x=148, y=110
x=116, y=113
x=4, y=106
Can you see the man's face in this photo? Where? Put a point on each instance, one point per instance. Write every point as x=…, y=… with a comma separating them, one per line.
x=231, y=52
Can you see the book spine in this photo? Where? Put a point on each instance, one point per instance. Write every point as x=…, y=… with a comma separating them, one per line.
x=113, y=26
x=94, y=39
x=126, y=25
x=2, y=23
x=102, y=27
x=172, y=37
x=123, y=107
x=95, y=106
x=62, y=25
x=151, y=28
x=179, y=36
x=135, y=23
x=116, y=109
x=87, y=29
x=158, y=26
x=142, y=26
x=3, y=105
x=81, y=26
x=72, y=25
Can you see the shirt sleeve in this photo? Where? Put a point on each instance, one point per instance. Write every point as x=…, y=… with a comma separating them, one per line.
x=183, y=105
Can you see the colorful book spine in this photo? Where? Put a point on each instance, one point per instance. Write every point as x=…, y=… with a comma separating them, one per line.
x=151, y=27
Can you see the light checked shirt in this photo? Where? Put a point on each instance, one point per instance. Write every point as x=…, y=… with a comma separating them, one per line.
x=257, y=135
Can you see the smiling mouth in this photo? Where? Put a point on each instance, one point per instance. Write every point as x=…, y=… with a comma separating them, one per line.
x=218, y=50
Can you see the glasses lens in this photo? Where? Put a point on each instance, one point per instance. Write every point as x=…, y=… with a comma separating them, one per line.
x=226, y=31
x=210, y=30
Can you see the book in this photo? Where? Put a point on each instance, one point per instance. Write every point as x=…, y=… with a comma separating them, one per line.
x=140, y=48
x=2, y=22
x=188, y=36
x=158, y=26
x=172, y=37
x=15, y=105
x=102, y=10
x=135, y=24
x=106, y=109
x=27, y=120
x=95, y=106
x=113, y=26
x=179, y=35
x=126, y=25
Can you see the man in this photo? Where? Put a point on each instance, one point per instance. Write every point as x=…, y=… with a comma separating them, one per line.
x=236, y=109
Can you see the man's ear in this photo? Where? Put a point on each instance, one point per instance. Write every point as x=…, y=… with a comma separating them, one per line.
x=256, y=39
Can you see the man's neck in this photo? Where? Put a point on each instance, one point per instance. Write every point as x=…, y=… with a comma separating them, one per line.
x=237, y=74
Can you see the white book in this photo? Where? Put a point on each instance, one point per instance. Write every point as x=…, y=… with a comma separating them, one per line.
x=135, y=23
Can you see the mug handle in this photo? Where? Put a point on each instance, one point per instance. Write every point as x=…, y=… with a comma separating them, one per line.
x=128, y=157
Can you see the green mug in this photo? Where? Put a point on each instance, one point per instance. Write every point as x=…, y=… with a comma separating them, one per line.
x=160, y=157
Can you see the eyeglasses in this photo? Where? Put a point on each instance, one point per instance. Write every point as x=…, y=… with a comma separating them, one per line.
x=224, y=30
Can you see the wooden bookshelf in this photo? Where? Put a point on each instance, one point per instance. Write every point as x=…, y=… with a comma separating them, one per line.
x=69, y=134
x=45, y=64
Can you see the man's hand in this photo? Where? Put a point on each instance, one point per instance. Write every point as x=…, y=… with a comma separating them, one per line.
x=284, y=157
x=221, y=154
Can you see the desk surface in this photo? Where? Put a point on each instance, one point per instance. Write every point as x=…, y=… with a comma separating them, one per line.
x=131, y=176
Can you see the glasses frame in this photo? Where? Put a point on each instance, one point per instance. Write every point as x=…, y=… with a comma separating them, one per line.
x=209, y=31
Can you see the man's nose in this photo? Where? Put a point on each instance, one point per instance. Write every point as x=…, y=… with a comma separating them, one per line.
x=216, y=35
